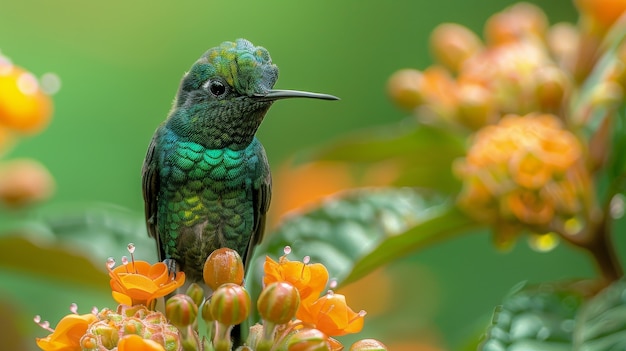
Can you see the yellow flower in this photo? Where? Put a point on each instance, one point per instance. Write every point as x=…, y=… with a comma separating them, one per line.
x=331, y=315
x=137, y=343
x=309, y=279
x=66, y=336
x=24, y=107
x=139, y=282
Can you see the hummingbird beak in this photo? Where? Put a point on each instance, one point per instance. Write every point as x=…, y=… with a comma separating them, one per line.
x=275, y=94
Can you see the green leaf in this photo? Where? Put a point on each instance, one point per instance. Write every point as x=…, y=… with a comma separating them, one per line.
x=95, y=231
x=540, y=317
x=601, y=324
x=350, y=230
x=437, y=223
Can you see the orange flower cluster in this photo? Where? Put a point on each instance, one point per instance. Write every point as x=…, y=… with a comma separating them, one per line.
x=328, y=313
x=128, y=329
x=523, y=66
x=526, y=170
x=292, y=290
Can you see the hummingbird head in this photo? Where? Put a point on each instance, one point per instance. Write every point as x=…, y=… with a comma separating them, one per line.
x=222, y=100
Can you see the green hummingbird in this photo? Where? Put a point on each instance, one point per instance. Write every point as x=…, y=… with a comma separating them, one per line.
x=206, y=179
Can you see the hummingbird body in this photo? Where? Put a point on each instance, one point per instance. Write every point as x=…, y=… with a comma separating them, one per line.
x=206, y=178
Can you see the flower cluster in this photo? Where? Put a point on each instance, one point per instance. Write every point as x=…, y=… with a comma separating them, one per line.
x=25, y=108
x=294, y=316
x=526, y=170
x=541, y=101
x=523, y=66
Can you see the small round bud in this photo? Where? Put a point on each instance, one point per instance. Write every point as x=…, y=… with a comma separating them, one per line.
x=476, y=106
x=230, y=304
x=223, y=266
x=278, y=302
x=196, y=293
x=368, y=345
x=451, y=44
x=552, y=84
x=308, y=340
x=107, y=334
x=206, y=311
x=23, y=182
x=518, y=22
x=181, y=310
x=405, y=88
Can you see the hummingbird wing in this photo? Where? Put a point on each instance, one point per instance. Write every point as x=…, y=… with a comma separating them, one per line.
x=150, y=185
x=262, y=195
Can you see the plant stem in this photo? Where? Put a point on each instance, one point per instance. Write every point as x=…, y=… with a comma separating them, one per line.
x=603, y=251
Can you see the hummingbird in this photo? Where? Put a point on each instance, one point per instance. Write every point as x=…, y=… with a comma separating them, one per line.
x=206, y=178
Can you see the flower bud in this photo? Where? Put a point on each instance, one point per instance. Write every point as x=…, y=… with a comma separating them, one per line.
x=230, y=304
x=518, y=22
x=181, y=310
x=23, y=182
x=308, y=340
x=107, y=334
x=476, y=105
x=405, y=88
x=278, y=302
x=368, y=345
x=451, y=44
x=552, y=84
x=223, y=266
x=196, y=293
x=206, y=311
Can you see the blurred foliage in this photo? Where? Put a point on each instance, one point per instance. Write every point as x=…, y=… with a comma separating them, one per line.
x=120, y=63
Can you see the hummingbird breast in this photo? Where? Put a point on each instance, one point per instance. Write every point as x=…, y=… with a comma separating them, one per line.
x=206, y=200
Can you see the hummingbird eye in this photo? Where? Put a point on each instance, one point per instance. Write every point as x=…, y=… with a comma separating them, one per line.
x=217, y=88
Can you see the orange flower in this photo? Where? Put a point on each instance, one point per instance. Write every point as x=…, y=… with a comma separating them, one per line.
x=137, y=343
x=67, y=334
x=331, y=315
x=309, y=279
x=138, y=282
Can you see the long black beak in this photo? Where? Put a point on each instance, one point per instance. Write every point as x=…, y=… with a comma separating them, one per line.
x=275, y=94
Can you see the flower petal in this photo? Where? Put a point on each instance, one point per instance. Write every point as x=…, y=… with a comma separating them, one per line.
x=135, y=342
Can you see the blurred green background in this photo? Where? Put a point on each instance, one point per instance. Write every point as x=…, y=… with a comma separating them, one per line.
x=120, y=63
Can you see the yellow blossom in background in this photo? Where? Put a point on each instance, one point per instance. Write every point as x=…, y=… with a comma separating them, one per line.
x=525, y=171
x=67, y=335
x=24, y=107
x=139, y=282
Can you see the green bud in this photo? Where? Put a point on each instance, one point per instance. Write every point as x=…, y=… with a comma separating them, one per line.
x=308, y=340
x=230, y=304
x=108, y=334
x=181, y=310
x=278, y=302
x=196, y=293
